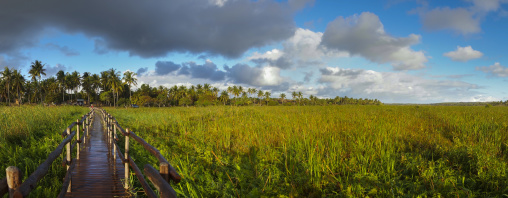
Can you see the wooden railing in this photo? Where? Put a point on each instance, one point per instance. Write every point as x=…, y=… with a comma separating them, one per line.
x=12, y=183
x=160, y=179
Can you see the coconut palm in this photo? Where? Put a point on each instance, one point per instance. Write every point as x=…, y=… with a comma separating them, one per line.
x=282, y=97
x=267, y=97
x=260, y=94
x=18, y=82
x=224, y=97
x=60, y=77
x=7, y=78
x=75, y=82
x=36, y=70
x=300, y=96
x=130, y=79
x=115, y=83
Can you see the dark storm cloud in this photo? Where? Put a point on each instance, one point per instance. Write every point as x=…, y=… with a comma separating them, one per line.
x=142, y=70
x=243, y=73
x=166, y=67
x=151, y=28
x=282, y=62
x=206, y=71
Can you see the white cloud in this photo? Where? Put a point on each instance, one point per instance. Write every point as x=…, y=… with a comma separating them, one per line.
x=464, y=54
x=364, y=35
x=269, y=55
x=495, y=70
x=392, y=86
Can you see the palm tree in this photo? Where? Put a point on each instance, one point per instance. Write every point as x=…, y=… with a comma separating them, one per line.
x=300, y=96
x=115, y=83
x=60, y=77
x=260, y=94
x=86, y=83
x=18, y=82
x=7, y=77
x=251, y=91
x=282, y=97
x=36, y=70
x=130, y=79
x=267, y=97
x=224, y=97
x=95, y=81
x=75, y=82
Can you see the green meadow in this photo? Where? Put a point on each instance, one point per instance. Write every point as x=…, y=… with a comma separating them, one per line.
x=28, y=134
x=328, y=151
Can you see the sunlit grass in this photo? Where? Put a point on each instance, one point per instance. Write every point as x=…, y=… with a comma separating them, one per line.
x=28, y=134
x=328, y=151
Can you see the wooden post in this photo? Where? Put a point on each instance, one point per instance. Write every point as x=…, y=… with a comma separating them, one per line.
x=77, y=138
x=114, y=145
x=13, y=181
x=126, y=159
x=164, y=170
x=68, y=156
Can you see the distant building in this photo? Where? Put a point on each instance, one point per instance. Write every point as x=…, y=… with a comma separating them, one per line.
x=81, y=102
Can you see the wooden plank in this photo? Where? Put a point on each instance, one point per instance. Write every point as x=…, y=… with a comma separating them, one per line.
x=162, y=185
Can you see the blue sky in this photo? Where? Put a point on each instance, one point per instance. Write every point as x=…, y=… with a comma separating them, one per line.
x=408, y=51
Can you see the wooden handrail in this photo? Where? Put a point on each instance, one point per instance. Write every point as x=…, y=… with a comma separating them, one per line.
x=166, y=170
x=164, y=188
x=141, y=179
x=31, y=182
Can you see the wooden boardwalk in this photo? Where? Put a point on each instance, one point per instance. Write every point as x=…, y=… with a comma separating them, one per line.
x=96, y=173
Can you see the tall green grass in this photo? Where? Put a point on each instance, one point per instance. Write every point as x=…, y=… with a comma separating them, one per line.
x=316, y=151
x=28, y=134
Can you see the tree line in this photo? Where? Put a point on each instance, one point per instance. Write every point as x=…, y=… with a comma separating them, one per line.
x=112, y=88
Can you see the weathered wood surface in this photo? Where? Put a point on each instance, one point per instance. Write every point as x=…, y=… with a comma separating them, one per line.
x=149, y=192
x=96, y=173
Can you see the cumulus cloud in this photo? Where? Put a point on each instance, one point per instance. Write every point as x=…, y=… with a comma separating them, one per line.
x=497, y=70
x=256, y=76
x=63, y=49
x=364, y=35
x=392, y=87
x=153, y=28
x=303, y=49
x=464, y=54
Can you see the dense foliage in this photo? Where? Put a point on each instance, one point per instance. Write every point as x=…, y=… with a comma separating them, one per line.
x=28, y=134
x=318, y=151
x=110, y=88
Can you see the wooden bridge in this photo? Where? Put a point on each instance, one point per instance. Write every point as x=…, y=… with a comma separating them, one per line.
x=100, y=169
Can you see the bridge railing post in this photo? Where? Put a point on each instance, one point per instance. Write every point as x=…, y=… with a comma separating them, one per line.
x=114, y=145
x=126, y=162
x=68, y=148
x=13, y=181
x=77, y=139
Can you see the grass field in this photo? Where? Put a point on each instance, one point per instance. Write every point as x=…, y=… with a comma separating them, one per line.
x=316, y=151
x=28, y=134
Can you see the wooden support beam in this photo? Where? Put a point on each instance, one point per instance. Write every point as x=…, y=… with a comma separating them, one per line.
x=67, y=180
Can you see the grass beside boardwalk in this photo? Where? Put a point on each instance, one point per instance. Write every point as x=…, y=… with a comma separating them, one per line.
x=328, y=151
x=28, y=134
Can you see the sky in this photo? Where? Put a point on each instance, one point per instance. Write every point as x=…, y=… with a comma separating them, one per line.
x=397, y=51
